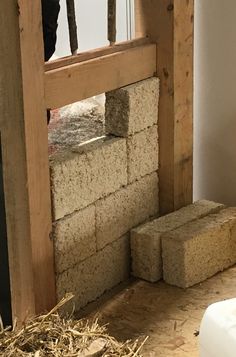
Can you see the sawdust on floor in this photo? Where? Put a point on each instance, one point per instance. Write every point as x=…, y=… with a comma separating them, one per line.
x=168, y=315
x=75, y=124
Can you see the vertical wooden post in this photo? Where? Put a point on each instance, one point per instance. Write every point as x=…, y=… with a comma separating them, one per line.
x=23, y=125
x=170, y=24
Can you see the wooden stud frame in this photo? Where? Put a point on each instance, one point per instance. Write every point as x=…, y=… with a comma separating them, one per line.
x=28, y=87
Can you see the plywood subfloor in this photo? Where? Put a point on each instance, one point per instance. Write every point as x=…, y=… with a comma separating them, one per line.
x=170, y=316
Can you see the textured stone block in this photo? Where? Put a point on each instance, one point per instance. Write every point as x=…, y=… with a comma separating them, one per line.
x=91, y=278
x=200, y=249
x=146, y=239
x=91, y=171
x=142, y=150
x=74, y=238
x=146, y=255
x=125, y=209
x=133, y=108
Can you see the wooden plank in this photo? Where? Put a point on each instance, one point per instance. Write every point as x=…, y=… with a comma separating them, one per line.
x=25, y=158
x=98, y=52
x=170, y=24
x=174, y=318
x=76, y=82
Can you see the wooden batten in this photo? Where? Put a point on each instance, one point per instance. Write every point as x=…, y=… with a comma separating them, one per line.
x=83, y=80
x=23, y=127
x=170, y=24
x=111, y=17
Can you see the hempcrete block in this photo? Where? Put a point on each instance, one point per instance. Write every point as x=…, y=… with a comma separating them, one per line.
x=74, y=238
x=146, y=239
x=125, y=209
x=89, y=172
x=102, y=271
x=200, y=249
x=133, y=108
x=142, y=150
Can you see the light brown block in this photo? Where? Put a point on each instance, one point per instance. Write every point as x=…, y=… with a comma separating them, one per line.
x=125, y=209
x=200, y=249
x=142, y=149
x=91, y=171
x=146, y=239
x=133, y=108
x=91, y=278
x=74, y=238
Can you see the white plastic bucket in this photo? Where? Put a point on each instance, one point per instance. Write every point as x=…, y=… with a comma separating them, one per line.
x=218, y=330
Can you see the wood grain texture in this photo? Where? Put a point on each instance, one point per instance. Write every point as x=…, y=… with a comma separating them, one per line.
x=170, y=24
x=83, y=80
x=168, y=315
x=98, y=52
x=25, y=158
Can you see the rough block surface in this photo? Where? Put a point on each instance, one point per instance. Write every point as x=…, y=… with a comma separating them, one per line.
x=133, y=108
x=146, y=239
x=142, y=150
x=91, y=278
x=200, y=249
x=74, y=238
x=125, y=209
x=92, y=171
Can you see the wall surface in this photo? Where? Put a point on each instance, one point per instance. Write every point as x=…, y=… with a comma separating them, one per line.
x=215, y=101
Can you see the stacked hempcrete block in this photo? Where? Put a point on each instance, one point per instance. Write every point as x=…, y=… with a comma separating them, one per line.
x=201, y=249
x=101, y=190
x=187, y=246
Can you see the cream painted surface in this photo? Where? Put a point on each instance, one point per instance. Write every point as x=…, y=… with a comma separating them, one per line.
x=215, y=101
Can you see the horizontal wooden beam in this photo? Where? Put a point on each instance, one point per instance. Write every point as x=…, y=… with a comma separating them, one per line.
x=83, y=80
x=98, y=52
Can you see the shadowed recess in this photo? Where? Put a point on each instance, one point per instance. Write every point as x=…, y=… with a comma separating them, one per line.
x=5, y=295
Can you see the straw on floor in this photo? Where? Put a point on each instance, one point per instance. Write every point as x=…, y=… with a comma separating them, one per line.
x=52, y=335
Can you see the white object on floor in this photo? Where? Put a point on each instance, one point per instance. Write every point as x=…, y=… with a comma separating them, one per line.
x=218, y=330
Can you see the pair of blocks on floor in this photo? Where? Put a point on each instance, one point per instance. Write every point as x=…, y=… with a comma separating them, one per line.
x=187, y=246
